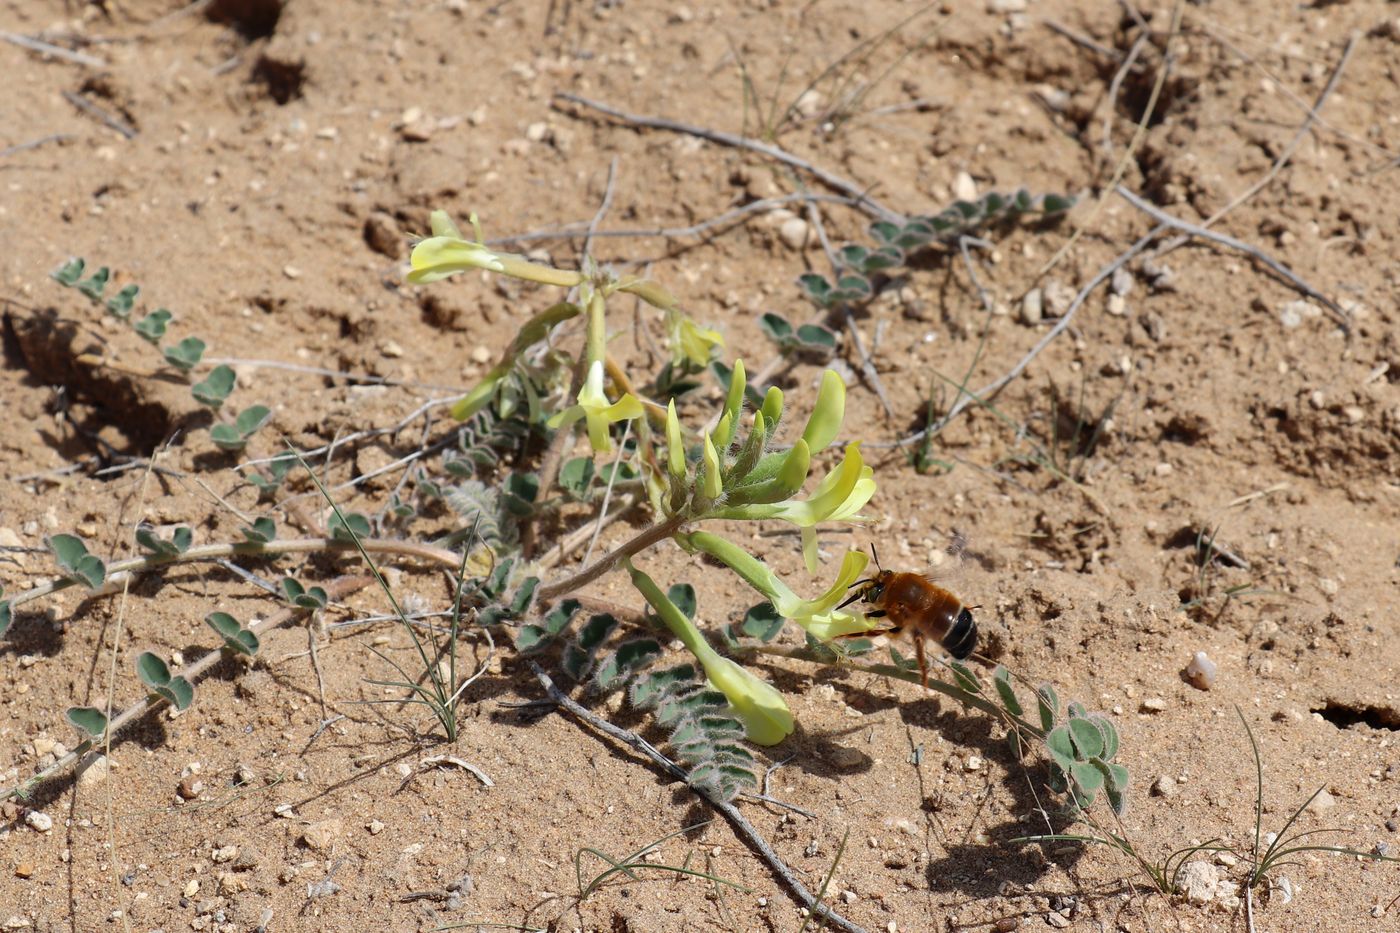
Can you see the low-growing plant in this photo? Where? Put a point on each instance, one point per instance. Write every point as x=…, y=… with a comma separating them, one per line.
x=182, y=357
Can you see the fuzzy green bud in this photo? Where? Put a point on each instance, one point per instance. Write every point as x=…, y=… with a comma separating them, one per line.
x=828, y=414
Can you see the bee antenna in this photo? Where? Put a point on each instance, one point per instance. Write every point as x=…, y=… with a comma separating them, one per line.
x=876, y=556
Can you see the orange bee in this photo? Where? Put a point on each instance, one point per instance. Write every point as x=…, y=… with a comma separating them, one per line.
x=917, y=607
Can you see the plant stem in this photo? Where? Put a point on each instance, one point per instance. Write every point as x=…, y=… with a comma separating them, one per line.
x=209, y=552
x=338, y=588
x=607, y=562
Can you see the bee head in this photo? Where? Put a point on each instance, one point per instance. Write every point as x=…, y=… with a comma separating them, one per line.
x=868, y=590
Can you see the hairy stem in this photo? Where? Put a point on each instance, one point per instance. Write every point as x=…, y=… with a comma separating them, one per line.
x=607, y=562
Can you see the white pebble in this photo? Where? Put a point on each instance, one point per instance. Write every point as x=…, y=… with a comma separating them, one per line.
x=1201, y=671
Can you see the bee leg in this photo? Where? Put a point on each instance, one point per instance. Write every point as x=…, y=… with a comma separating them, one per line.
x=923, y=660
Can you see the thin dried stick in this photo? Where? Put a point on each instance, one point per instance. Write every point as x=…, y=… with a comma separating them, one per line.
x=1114, y=86
x=97, y=113
x=57, y=51
x=34, y=143
x=741, y=825
x=1274, y=265
x=831, y=180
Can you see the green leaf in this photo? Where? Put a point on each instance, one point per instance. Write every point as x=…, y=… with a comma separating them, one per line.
x=816, y=337
x=964, y=677
x=215, y=387
x=1001, y=679
x=776, y=327
x=520, y=492
x=226, y=437
x=347, y=526
x=647, y=691
x=178, y=544
x=152, y=670
x=762, y=622
x=576, y=476
x=630, y=657
x=179, y=692
x=1061, y=748
x=123, y=301
x=69, y=273
x=7, y=616
x=262, y=531
x=520, y=602
x=1087, y=778
x=816, y=288
x=235, y=636
x=97, y=284
x=87, y=719
x=77, y=564
x=1048, y=703
x=152, y=326
x=1056, y=203
x=1110, y=736
x=252, y=418
x=1088, y=740
x=186, y=354
x=555, y=621
x=683, y=595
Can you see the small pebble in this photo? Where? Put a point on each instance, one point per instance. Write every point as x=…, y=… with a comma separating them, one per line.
x=1201, y=671
x=1117, y=305
x=24, y=870
x=375, y=827
x=973, y=763
x=321, y=834
x=191, y=887
x=1033, y=307
x=1122, y=282
x=1323, y=802
x=224, y=854
x=189, y=787
x=1153, y=705
x=795, y=233
x=1164, y=786
x=38, y=821
x=1057, y=920
x=964, y=188
x=1199, y=881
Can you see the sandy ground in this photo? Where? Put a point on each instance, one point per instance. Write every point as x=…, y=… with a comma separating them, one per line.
x=258, y=169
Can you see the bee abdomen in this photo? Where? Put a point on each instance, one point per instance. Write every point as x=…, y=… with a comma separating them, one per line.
x=961, y=640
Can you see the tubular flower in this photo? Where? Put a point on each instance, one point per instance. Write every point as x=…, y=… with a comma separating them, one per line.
x=691, y=344
x=839, y=496
x=767, y=719
x=819, y=616
x=447, y=252
x=594, y=407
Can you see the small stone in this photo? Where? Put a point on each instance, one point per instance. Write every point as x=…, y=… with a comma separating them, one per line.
x=537, y=132
x=1200, y=673
x=1226, y=859
x=848, y=896
x=189, y=787
x=24, y=870
x=1164, y=786
x=291, y=272
x=285, y=810
x=1292, y=314
x=191, y=887
x=1058, y=296
x=1354, y=414
x=391, y=349
x=1117, y=305
x=1057, y=920
x=1199, y=880
x=223, y=854
x=375, y=827
x=383, y=235
x=38, y=821
x=419, y=131
x=1323, y=802
x=248, y=859
x=1328, y=586
x=1033, y=307
x=973, y=763
x=245, y=776
x=795, y=233
x=1122, y=282
x=1163, y=469
x=1153, y=705
x=809, y=103
x=964, y=188
x=321, y=834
